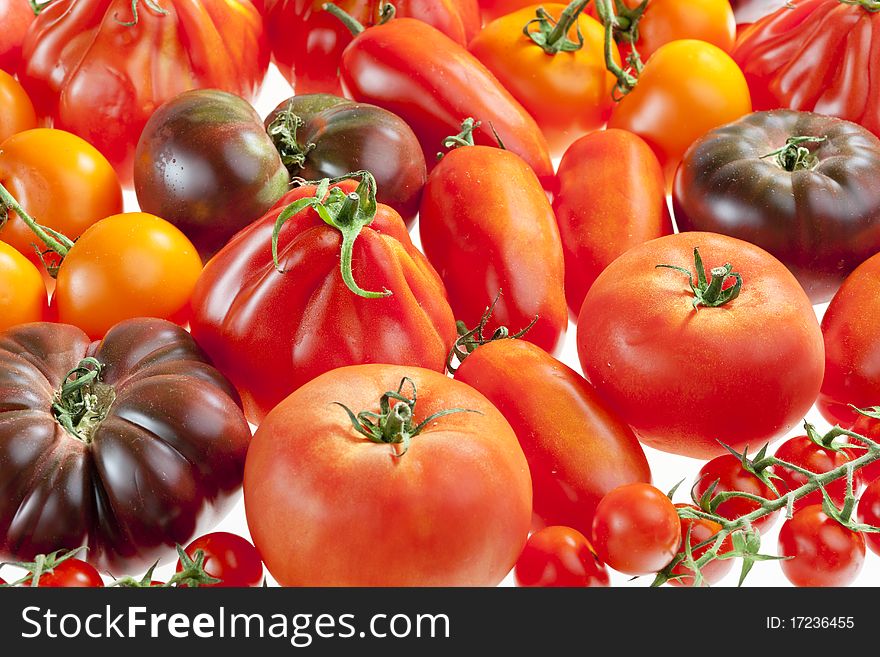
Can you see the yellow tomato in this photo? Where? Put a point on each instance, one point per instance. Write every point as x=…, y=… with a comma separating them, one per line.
x=23, y=296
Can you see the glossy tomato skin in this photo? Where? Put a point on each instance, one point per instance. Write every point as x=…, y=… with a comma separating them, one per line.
x=636, y=529
x=243, y=305
x=804, y=56
x=578, y=449
x=92, y=75
x=869, y=427
x=750, y=11
x=559, y=556
x=351, y=137
x=60, y=180
x=453, y=510
x=730, y=476
x=568, y=93
x=669, y=368
x=487, y=227
x=435, y=92
x=610, y=196
x=23, y=295
x=804, y=453
x=15, y=17
x=165, y=461
x=126, y=266
x=670, y=111
x=869, y=514
x=71, y=573
x=699, y=530
x=822, y=551
x=18, y=112
x=229, y=558
x=492, y=9
x=307, y=42
x=205, y=163
x=821, y=221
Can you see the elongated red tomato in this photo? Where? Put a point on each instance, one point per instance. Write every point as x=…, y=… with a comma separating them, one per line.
x=487, y=227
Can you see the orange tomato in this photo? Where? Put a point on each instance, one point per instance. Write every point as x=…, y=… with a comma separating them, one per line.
x=127, y=265
x=23, y=296
x=567, y=93
x=687, y=88
x=16, y=111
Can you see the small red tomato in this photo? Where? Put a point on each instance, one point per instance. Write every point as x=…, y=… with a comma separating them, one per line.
x=822, y=551
x=701, y=530
x=730, y=475
x=559, y=556
x=869, y=514
x=71, y=573
x=870, y=427
x=804, y=453
x=636, y=529
x=229, y=558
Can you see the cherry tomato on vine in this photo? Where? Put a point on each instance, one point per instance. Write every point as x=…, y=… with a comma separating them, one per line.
x=727, y=470
x=23, y=295
x=804, y=453
x=701, y=529
x=228, y=557
x=636, y=529
x=559, y=556
x=71, y=573
x=822, y=551
x=870, y=427
x=18, y=111
x=869, y=513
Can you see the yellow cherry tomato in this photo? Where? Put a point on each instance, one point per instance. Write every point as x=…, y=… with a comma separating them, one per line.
x=16, y=110
x=23, y=295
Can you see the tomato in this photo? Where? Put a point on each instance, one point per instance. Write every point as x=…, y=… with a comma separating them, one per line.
x=815, y=55
x=445, y=502
x=60, y=180
x=98, y=69
x=156, y=455
x=852, y=346
x=18, y=111
x=821, y=551
x=23, y=295
x=568, y=92
x=205, y=163
x=125, y=266
x=727, y=474
x=337, y=136
x=229, y=558
x=307, y=42
x=578, y=449
x=271, y=331
x=870, y=427
x=670, y=110
x=610, y=196
x=70, y=573
x=636, y=529
x=700, y=530
x=492, y=9
x=804, y=453
x=436, y=91
x=669, y=359
x=559, y=556
x=15, y=17
x=486, y=225
x=749, y=11
x=869, y=514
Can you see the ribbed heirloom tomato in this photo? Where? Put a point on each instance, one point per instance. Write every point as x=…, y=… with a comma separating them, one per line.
x=15, y=17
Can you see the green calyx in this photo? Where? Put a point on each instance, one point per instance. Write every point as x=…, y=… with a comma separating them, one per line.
x=282, y=130
x=710, y=293
x=387, y=11
x=794, y=156
x=347, y=213
x=42, y=564
x=83, y=400
x=552, y=35
x=152, y=5
x=57, y=245
x=393, y=424
x=466, y=137
x=872, y=6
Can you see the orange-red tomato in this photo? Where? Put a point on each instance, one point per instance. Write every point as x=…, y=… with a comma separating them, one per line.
x=17, y=113
x=687, y=88
x=125, y=266
x=23, y=296
x=492, y=9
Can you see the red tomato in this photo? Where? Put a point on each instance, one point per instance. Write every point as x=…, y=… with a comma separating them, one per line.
x=492, y=9
x=670, y=367
x=487, y=227
x=94, y=73
x=328, y=506
x=18, y=111
x=701, y=529
x=15, y=17
x=229, y=558
x=71, y=573
x=610, y=196
x=822, y=551
x=636, y=529
x=803, y=452
x=869, y=514
x=749, y=11
x=870, y=427
x=23, y=295
x=730, y=476
x=559, y=556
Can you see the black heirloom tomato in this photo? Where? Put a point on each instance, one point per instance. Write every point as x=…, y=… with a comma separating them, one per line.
x=205, y=163
x=802, y=186
x=325, y=136
x=128, y=445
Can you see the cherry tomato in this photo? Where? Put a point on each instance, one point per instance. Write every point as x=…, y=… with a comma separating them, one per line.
x=127, y=265
x=869, y=514
x=559, y=556
x=71, y=573
x=18, y=112
x=870, y=427
x=229, y=558
x=701, y=529
x=670, y=110
x=823, y=552
x=804, y=453
x=23, y=295
x=15, y=17
x=636, y=529
x=727, y=470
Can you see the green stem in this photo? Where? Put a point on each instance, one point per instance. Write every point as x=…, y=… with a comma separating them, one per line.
x=54, y=241
x=710, y=292
x=626, y=81
x=552, y=35
x=795, y=157
x=152, y=5
x=872, y=6
x=354, y=25
x=282, y=130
